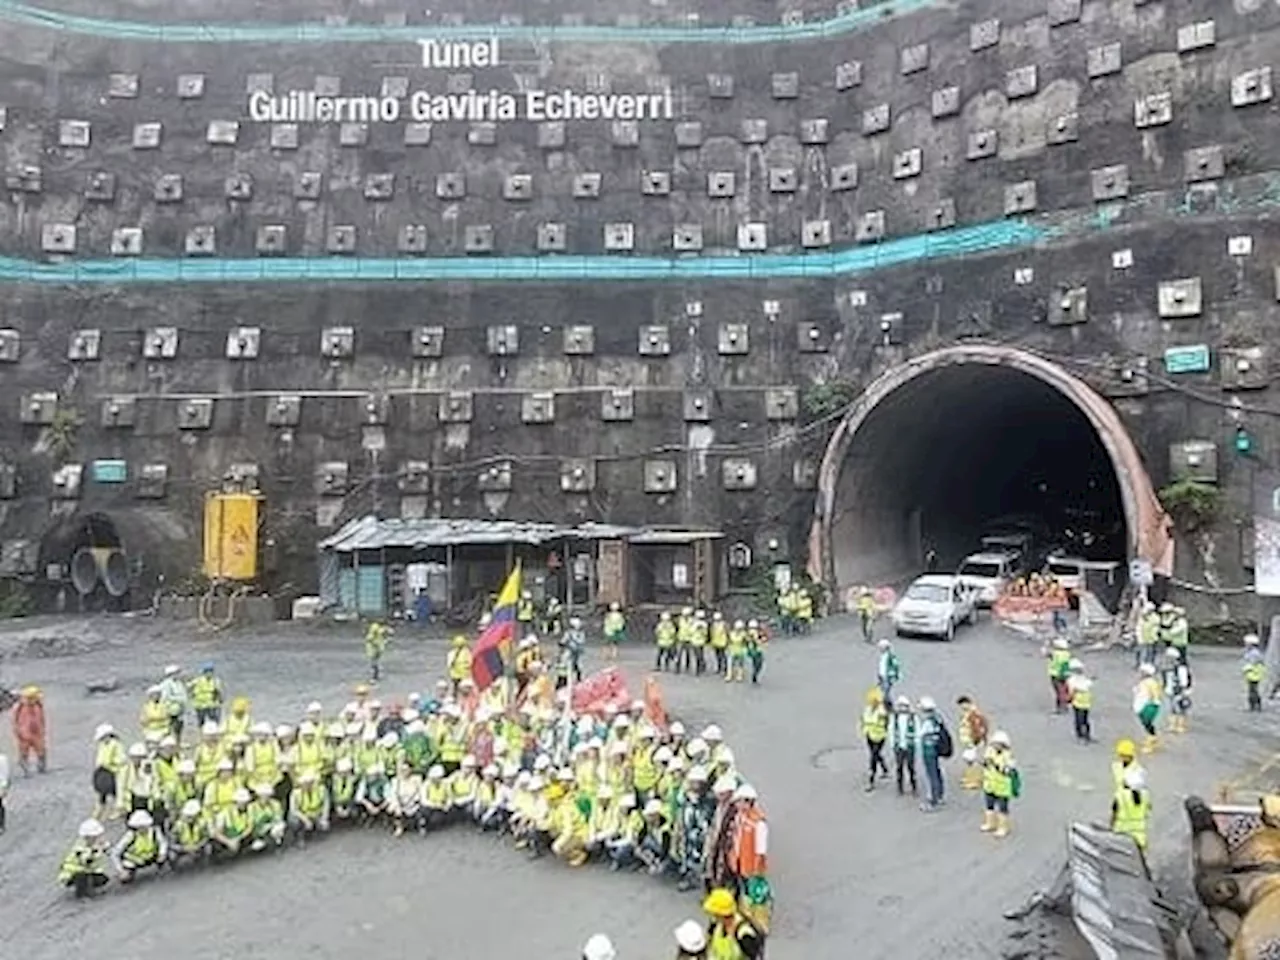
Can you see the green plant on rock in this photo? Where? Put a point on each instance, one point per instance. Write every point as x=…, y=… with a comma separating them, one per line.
x=823, y=399
x=1191, y=503
x=63, y=432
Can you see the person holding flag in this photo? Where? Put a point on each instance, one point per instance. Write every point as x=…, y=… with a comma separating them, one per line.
x=492, y=650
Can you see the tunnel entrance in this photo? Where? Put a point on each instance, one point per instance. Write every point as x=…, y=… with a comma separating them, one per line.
x=973, y=442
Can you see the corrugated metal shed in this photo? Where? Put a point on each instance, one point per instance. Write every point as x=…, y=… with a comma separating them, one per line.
x=371, y=533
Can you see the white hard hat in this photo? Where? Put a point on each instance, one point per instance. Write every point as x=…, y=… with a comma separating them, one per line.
x=726, y=784
x=354, y=729
x=884, y=644
x=242, y=795
x=103, y=731
x=154, y=691
x=697, y=747
x=725, y=757
x=191, y=809
x=677, y=764
x=1251, y=639
x=627, y=801
x=306, y=729
x=264, y=790
x=1135, y=778
x=210, y=729
x=637, y=706
x=139, y=820
x=523, y=778
x=186, y=765
x=926, y=703
x=314, y=707
x=344, y=765
x=415, y=727
x=1000, y=738
x=262, y=729
x=542, y=762
x=1075, y=664
x=1061, y=644
x=137, y=751
x=510, y=771
x=652, y=807
x=676, y=729
x=604, y=792
x=91, y=830
x=662, y=755
x=490, y=772
x=565, y=775
x=575, y=622
x=225, y=765
x=536, y=783
x=389, y=739
x=746, y=792
x=698, y=774
x=599, y=947
x=469, y=761
x=284, y=731
x=436, y=773
x=151, y=736
x=1147, y=669
x=690, y=937
x=172, y=670
x=335, y=730
x=1173, y=653
x=712, y=734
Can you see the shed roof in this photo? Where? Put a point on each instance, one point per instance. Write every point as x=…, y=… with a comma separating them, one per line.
x=372, y=533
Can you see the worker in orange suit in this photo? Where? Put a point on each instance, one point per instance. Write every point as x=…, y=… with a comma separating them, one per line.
x=29, y=730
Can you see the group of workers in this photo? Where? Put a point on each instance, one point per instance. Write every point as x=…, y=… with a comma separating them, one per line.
x=615, y=785
x=920, y=731
x=737, y=648
x=795, y=610
x=1042, y=585
x=728, y=934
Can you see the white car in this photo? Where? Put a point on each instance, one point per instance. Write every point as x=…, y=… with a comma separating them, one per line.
x=987, y=575
x=934, y=606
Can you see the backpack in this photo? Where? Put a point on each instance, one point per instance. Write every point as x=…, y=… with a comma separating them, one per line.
x=946, y=748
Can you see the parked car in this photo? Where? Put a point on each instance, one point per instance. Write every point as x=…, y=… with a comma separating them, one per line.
x=987, y=574
x=1068, y=571
x=934, y=605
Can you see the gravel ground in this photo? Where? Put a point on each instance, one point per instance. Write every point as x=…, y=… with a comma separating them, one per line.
x=848, y=868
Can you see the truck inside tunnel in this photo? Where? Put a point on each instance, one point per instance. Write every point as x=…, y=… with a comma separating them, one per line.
x=967, y=450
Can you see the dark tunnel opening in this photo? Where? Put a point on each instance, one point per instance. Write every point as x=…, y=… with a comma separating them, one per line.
x=964, y=451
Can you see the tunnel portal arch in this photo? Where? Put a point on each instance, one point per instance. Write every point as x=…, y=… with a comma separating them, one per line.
x=1148, y=532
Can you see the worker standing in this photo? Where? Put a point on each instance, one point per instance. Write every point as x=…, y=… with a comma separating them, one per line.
x=1126, y=759
x=525, y=612
x=1174, y=631
x=29, y=730
x=737, y=652
x=684, y=641
x=173, y=693
x=935, y=746
x=1131, y=808
x=1147, y=695
x=866, y=607
x=206, y=696
x=1148, y=635
x=1059, y=668
x=719, y=639
x=375, y=645
x=731, y=935
x=108, y=768
x=875, y=728
x=458, y=663
x=902, y=740
x=972, y=727
x=1080, y=694
x=664, y=636
x=1255, y=671
x=1176, y=679
x=1000, y=784
x=888, y=669
x=698, y=632
x=615, y=631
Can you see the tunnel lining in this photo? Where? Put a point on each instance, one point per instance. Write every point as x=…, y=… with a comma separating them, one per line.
x=1147, y=529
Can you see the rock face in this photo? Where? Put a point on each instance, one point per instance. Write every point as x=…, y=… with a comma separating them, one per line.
x=629, y=249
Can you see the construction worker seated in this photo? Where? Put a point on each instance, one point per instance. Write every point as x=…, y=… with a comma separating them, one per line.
x=372, y=791
x=435, y=799
x=309, y=807
x=231, y=826
x=142, y=846
x=190, y=842
x=462, y=788
x=342, y=788
x=569, y=822
x=653, y=846
x=266, y=816
x=84, y=868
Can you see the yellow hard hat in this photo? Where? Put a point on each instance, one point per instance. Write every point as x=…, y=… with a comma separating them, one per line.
x=31, y=693
x=875, y=695
x=240, y=704
x=459, y=641
x=719, y=903
x=1126, y=749
x=362, y=688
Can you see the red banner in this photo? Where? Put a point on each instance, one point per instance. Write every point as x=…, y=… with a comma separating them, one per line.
x=1027, y=608
x=592, y=694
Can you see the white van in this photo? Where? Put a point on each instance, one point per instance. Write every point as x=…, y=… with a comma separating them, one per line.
x=987, y=574
x=1068, y=571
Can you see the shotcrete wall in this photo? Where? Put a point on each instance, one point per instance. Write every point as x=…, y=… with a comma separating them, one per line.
x=835, y=191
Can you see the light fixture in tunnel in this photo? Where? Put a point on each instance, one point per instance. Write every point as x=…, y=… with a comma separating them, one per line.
x=1244, y=441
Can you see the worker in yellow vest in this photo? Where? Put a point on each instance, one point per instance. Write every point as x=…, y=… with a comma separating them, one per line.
x=143, y=845
x=220, y=794
x=206, y=695
x=239, y=719
x=1000, y=784
x=719, y=638
x=458, y=662
x=108, y=768
x=155, y=713
x=310, y=751
x=1131, y=808
x=698, y=633
x=1126, y=759
x=875, y=728
x=684, y=640
x=376, y=637
x=615, y=630
x=731, y=935
x=665, y=636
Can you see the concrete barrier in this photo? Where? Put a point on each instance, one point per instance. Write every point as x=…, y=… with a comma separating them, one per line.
x=248, y=611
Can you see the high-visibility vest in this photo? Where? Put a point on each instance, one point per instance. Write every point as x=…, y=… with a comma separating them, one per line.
x=238, y=725
x=997, y=775
x=665, y=633
x=524, y=610
x=750, y=847
x=1131, y=816
x=1254, y=671
x=698, y=633
x=206, y=692
x=1082, y=697
x=310, y=800
x=459, y=663
x=155, y=717
x=310, y=756
x=614, y=623
x=436, y=796
x=190, y=834
x=643, y=769
x=724, y=942
x=207, y=758
x=110, y=755
x=1059, y=664
x=454, y=746
x=344, y=788
x=264, y=761
x=719, y=635
x=233, y=822
x=143, y=848
x=875, y=723
x=464, y=786
x=737, y=642
x=220, y=794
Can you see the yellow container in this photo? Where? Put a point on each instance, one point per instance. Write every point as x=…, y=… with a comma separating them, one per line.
x=231, y=536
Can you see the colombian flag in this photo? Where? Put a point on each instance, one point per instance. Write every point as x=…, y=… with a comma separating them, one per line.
x=493, y=649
